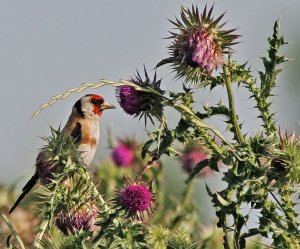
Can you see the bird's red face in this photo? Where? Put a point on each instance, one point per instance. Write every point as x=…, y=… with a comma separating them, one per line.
x=91, y=106
x=98, y=104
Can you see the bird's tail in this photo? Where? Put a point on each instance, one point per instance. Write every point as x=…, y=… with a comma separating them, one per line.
x=29, y=185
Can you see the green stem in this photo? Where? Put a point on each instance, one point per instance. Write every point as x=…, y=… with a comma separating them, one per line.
x=187, y=193
x=262, y=105
x=163, y=124
x=99, y=196
x=226, y=238
x=12, y=229
x=40, y=234
x=233, y=116
x=201, y=125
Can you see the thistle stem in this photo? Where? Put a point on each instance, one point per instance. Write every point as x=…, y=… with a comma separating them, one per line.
x=233, y=116
x=41, y=232
x=12, y=229
x=226, y=238
x=189, y=114
x=99, y=196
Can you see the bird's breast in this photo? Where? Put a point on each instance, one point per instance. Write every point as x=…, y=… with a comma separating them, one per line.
x=87, y=133
x=88, y=144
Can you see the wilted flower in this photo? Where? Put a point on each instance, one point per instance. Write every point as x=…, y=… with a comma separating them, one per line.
x=44, y=167
x=135, y=199
x=71, y=221
x=193, y=154
x=197, y=49
x=285, y=162
x=141, y=102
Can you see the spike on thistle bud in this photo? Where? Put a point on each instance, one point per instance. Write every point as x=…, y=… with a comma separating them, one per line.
x=197, y=49
x=139, y=103
x=135, y=199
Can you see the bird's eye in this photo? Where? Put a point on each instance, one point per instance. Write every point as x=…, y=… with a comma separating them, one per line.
x=97, y=101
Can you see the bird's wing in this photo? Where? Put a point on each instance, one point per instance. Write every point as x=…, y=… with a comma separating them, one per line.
x=76, y=133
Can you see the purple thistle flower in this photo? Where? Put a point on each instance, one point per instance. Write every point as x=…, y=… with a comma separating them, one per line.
x=197, y=49
x=190, y=158
x=139, y=102
x=123, y=155
x=193, y=154
x=135, y=199
x=76, y=220
x=203, y=52
x=129, y=99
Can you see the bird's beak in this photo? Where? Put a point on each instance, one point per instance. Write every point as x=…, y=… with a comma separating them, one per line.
x=106, y=105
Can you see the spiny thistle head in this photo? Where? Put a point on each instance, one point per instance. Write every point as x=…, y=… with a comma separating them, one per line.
x=53, y=157
x=135, y=199
x=76, y=219
x=123, y=154
x=70, y=197
x=285, y=163
x=181, y=240
x=75, y=205
x=197, y=48
x=193, y=154
x=139, y=103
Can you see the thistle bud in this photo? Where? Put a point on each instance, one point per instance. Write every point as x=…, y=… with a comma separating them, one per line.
x=52, y=158
x=285, y=160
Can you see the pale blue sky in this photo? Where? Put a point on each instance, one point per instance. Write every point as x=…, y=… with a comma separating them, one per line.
x=49, y=46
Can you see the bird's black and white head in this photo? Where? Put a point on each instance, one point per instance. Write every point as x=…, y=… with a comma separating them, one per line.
x=91, y=106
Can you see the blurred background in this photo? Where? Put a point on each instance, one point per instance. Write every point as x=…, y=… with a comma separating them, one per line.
x=48, y=47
